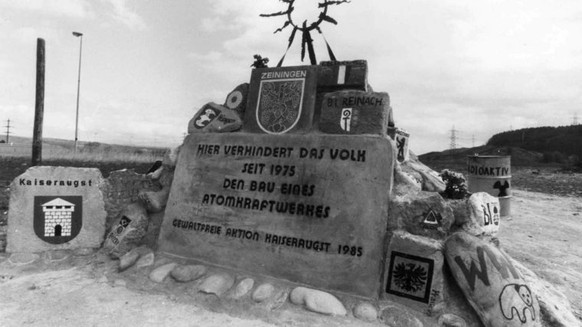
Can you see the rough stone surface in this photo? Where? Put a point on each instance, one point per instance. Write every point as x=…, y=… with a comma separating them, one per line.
x=160, y=273
x=317, y=301
x=414, y=273
x=331, y=228
x=127, y=260
x=30, y=229
x=188, y=273
x=145, y=260
x=492, y=285
x=365, y=311
x=23, y=258
x=406, y=182
x=128, y=231
x=122, y=188
x=394, y=316
x=242, y=288
x=217, y=284
x=214, y=118
x=424, y=213
x=431, y=181
x=237, y=99
x=263, y=292
x=484, y=218
x=451, y=320
x=554, y=306
x=354, y=112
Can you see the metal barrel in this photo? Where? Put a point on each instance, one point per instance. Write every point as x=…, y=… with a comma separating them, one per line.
x=491, y=174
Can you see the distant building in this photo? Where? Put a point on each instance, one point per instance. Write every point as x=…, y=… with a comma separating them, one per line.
x=58, y=215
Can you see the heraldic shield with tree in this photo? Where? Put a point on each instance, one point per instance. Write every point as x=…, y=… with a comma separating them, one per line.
x=280, y=104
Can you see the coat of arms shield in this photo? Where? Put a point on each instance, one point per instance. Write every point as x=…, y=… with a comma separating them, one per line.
x=280, y=104
x=58, y=219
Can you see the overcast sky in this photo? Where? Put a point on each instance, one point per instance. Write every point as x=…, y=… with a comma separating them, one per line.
x=149, y=65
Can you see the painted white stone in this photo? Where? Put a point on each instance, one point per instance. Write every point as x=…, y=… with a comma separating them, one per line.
x=423, y=213
x=451, y=320
x=145, y=260
x=431, y=181
x=297, y=295
x=484, y=214
x=76, y=220
x=242, y=288
x=405, y=182
x=214, y=118
x=414, y=272
x=318, y=301
x=127, y=260
x=217, y=284
x=20, y=259
x=395, y=316
x=366, y=311
x=492, y=285
x=160, y=274
x=128, y=231
x=188, y=273
x=263, y=292
x=554, y=305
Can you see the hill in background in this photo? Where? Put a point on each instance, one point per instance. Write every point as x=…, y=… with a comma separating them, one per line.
x=535, y=146
x=557, y=144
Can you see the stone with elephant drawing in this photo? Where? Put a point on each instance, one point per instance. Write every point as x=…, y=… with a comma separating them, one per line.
x=493, y=286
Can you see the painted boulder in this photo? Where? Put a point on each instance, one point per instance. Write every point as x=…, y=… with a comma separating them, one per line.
x=492, y=285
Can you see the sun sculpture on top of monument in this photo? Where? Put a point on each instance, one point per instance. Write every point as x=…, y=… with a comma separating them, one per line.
x=305, y=27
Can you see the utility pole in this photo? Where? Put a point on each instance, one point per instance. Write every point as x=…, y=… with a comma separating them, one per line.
x=39, y=103
x=575, y=119
x=473, y=139
x=80, y=36
x=8, y=131
x=453, y=144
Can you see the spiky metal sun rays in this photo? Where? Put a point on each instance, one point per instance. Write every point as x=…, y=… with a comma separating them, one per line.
x=305, y=28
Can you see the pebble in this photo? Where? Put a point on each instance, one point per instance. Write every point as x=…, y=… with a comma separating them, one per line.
x=20, y=259
x=188, y=273
x=159, y=274
x=54, y=256
x=318, y=301
x=278, y=300
x=366, y=311
x=243, y=288
x=217, y=284
x=145, y=260
x=395, y=316
x=263, y=292
x=451, y=320
x=127, y=260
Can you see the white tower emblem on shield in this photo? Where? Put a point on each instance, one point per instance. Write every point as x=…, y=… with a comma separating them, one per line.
x=346, y=119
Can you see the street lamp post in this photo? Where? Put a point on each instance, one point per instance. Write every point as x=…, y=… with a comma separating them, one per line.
x=80, y=35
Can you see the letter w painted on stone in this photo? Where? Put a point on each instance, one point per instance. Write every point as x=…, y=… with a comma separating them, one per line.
x=498, y=260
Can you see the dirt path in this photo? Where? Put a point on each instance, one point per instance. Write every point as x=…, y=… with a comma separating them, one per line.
x=545, y=234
